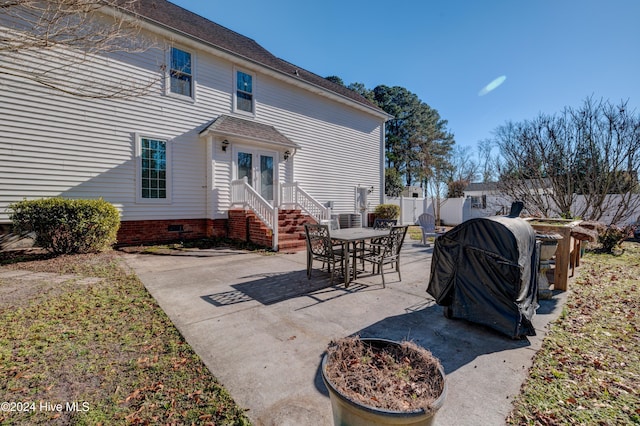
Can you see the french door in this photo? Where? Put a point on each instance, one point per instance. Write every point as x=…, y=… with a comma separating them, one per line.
x=259, y=167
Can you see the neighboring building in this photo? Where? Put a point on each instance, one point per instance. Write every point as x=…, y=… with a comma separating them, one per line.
x=222, y=111
x=413, y=192
x=484, y=199
x=480, y=200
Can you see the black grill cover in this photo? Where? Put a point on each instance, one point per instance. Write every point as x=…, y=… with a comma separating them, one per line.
x=485, y=271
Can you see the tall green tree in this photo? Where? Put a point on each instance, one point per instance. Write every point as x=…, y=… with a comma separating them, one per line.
x=417, y=139
x=361, y=89
x=335, y=79
x=393, y=184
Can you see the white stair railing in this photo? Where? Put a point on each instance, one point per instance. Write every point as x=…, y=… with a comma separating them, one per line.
x=294, y=197
x=242, y=193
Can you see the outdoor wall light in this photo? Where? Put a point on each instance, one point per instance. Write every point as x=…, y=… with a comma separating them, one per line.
x=287, y=154
x=225, y=144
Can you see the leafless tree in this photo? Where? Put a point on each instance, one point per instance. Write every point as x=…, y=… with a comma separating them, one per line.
x=461, y=172
x=449, y=177
x=66, y=45
x=488, y=160
x=581, y=163
x=437, y=189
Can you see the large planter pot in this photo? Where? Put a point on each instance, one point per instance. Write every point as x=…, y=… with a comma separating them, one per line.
x=562, y=227
x=347, y=412
x=548, y=249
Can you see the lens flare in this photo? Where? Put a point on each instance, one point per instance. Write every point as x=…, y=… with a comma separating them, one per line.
x=492, y=86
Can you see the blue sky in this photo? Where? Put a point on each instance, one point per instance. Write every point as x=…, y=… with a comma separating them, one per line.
x=553, y=53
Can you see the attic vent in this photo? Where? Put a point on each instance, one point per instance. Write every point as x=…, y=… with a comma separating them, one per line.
x=176, y=228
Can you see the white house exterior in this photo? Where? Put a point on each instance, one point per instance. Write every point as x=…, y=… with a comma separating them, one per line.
x=484, y=199
x=220, y=108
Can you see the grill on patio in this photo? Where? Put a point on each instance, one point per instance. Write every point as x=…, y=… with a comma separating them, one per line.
x=485, y=271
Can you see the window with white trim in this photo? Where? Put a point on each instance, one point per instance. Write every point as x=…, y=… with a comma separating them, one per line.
x=181, y=73
x=154, y=172
x=244, y=92
x=479, y=202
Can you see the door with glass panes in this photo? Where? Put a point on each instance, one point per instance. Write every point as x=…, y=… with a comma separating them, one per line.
x=259, y=169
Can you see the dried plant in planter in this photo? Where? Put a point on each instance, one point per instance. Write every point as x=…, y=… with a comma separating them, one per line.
x=404, y=377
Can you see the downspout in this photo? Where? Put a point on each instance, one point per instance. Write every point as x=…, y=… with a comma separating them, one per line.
x=383, y=151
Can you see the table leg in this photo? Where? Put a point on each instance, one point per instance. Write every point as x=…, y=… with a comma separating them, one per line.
x=355, y=261
x=347, y=255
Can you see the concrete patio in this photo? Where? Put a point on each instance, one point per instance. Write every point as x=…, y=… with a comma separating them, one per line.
x=261, y=327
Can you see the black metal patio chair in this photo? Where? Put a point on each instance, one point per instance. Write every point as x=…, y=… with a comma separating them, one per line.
x=320, y=247
x=386, y=251
x=384, y=223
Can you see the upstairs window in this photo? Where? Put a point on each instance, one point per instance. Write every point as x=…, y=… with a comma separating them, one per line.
x=180, y=74
x=244, y=92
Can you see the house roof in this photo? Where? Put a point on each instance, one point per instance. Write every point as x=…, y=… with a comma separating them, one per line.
x=493, y=186
x=175, y=18
x=481, y=186
x=226, y=125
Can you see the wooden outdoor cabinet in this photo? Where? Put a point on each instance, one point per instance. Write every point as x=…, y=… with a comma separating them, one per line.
x=568, y=252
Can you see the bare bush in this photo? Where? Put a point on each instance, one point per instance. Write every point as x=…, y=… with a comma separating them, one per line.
x=591, y=154
x=66, y=45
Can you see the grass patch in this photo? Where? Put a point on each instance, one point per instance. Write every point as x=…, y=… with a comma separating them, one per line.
x=199, y=244
x=588, y=370
x=414, y=233
x=106, y=347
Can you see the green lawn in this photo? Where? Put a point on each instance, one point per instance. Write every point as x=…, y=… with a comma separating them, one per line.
x=588, y=370
x=107, y=347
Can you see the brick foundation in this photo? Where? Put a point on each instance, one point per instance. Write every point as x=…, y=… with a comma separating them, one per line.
x=241, y=226
x=245, y=226
x=158, y=231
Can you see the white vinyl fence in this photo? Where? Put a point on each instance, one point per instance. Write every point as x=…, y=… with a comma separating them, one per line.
x=458, y=210
x=410, y=208
x=454, y=211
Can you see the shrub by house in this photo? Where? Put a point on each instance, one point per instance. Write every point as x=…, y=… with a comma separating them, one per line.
x=65, y=226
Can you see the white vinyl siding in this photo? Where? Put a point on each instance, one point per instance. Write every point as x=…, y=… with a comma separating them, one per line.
x=222, y=175
x=58, y=145
x=340, y=147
